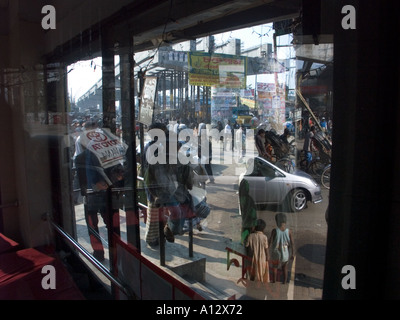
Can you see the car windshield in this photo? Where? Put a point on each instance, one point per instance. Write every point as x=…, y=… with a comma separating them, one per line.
x=257, y=167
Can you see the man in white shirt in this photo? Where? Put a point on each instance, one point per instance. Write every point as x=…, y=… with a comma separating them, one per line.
x=227, y=135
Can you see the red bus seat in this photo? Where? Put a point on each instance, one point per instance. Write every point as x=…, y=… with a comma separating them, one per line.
x=21, y=277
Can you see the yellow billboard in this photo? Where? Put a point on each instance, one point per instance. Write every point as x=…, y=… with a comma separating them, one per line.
x=219, y=70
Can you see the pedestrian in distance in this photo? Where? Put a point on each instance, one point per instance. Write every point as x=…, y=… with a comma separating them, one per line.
x=240, y=142
x=324, y=125
x=202, y=134
x=280, y=243
x=260, y=143
x=220, y=128
x=234, y=126
x=285, y=135
x=228, y=135
x=307, y=146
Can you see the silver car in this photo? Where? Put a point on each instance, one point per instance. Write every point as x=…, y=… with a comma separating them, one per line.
x=270, y=185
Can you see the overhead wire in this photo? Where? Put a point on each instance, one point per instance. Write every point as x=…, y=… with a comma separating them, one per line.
x=162, y=36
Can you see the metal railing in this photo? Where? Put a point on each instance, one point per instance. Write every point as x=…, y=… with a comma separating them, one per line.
x=93, y=261
x=161, y=223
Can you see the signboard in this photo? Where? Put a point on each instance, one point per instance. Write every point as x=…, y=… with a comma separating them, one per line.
x=248, y=102
x=220, y=70
x=173, y=59
x=108, y=148
x=146, y=108
x=297, y=115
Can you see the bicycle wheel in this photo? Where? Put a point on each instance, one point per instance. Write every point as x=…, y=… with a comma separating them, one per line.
x=317, y=167
x=302, y=161
x=286, y=165
x=326, y=177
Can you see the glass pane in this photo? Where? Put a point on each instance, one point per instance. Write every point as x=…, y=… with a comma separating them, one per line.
x=85, y=121
x=223, y=148
x=231, y=85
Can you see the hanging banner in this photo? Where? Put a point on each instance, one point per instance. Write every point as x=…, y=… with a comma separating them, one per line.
x=219, y=70
x=146, y=108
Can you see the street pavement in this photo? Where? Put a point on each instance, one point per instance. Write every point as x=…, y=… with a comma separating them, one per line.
x=222, y=229
x=309, y=230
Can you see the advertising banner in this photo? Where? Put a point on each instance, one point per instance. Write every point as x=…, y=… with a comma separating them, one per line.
x=219, y=70
x=147, y=101
x=108, y=148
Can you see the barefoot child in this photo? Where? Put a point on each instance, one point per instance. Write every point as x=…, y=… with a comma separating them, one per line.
x=280, y=242
x=257, y=249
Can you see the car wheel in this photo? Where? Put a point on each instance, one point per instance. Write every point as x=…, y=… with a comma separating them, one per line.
x=297, y=200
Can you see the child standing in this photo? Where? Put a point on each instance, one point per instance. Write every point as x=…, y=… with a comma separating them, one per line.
x=280, y=242
x=257, y=249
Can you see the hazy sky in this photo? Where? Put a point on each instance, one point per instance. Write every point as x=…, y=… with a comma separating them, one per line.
x=84, y=74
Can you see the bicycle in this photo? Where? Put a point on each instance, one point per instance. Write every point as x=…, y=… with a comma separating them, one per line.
x=285, y=161
x=326, y=177
x=316, y=166
x=286, y=164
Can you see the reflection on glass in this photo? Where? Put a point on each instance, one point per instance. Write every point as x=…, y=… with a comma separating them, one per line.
x=200, y=144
